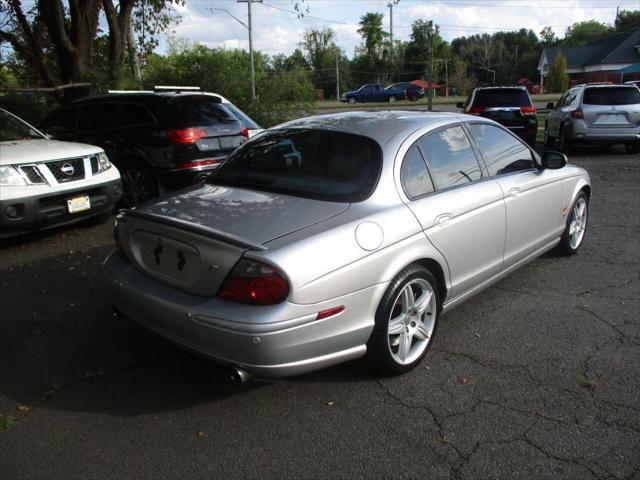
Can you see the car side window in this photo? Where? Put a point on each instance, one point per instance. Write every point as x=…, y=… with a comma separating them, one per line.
x=60, y=123
x=113, y=115
x=560, y=103
x=502, y=152
x=571, y=96
x=450, y=157
x=414, y=175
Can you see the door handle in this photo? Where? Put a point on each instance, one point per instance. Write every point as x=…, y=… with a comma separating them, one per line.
x=515, y=191
x=443, y=219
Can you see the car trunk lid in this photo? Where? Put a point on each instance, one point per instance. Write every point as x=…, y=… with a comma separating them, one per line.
x=611, y=107
x=193, y=239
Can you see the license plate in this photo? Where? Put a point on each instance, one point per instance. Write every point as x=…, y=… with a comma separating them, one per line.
x=611, y=118
x=79, y=204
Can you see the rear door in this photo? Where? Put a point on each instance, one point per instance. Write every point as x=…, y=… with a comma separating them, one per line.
x=461, y=213
x=611, y=107
x=533, y=197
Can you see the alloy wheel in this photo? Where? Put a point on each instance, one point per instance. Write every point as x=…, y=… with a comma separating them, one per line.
x=136, y=187
x=578, y=223
x=412, y=321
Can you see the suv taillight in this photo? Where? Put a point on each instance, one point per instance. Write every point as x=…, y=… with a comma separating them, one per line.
x=476, y=110
x=528, y=110
x=255, y=283
x=186, y=135
x=577, y=114
x=244, y=131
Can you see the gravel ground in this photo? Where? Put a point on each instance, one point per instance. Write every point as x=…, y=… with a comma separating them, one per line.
x=537, y=377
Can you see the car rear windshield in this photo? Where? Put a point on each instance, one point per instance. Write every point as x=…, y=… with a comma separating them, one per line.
x=321, y=164
x=240, y=115
x=611, y=96
x=501, y=97
x=198, y=111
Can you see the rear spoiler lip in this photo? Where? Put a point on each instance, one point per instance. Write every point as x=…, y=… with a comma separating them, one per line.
x=193, y=227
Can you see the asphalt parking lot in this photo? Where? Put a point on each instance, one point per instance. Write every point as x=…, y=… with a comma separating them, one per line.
x=537, y=377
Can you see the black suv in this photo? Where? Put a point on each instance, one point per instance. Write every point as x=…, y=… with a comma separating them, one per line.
x=158, y=140
x=509, y=106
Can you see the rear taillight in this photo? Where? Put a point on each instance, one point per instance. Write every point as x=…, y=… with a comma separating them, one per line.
x=186, y=135
x=205, y=162
x=244, y=132
x=576, y=114
x=255, y=283
x=476, y=110
x=528, y=110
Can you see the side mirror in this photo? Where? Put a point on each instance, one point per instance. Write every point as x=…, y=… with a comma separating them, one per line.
x=551, y=106
x=460, y=105
x=553, y=160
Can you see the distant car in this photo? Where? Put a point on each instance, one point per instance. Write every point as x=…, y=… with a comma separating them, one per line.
x=509, y=106
x=45, y=183
x=374, y=92
x=160, y=141
x=410, y=91
x=338, y=236
x=602, y=114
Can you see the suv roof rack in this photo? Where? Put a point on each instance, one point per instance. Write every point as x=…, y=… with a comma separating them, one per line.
x=129, y=91
x=173, y=88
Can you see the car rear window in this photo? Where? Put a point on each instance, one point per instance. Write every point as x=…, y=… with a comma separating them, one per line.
x=198, y=111
x=611, y=96
x=501, y=97
x=331, y=166
x=240, y=115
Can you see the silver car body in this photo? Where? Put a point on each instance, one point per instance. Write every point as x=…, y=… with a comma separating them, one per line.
x=599, y=122
x=332, y=254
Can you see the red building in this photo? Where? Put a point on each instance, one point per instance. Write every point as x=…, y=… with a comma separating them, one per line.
x=605, y=60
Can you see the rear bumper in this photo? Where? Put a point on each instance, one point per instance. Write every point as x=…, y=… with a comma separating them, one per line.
x=49, y=210
x=582, y=132
x=232, y=334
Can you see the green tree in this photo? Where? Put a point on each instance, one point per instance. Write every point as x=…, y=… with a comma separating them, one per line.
x=460, y=81
x=320, y=52
x=372, y=56
x=582, y=33
x=416, y=53
x=558, y=80
x=548, y=36
x=627, y=19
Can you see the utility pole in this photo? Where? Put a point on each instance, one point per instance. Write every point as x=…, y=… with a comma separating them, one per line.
x=430, y=33
x=249, y=27
x=446, y=77
x=390, y=5
x=337, y=75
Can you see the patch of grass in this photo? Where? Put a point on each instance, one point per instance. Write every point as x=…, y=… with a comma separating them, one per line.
x=540, y=133
x=6, y=421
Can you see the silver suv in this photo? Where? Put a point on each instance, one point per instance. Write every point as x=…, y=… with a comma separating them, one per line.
x=597, y=114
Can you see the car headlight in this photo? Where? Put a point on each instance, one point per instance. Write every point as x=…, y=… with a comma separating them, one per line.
x=10, y=176
x=103, y=162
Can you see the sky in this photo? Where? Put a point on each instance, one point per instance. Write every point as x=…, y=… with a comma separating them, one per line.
x=277, y=28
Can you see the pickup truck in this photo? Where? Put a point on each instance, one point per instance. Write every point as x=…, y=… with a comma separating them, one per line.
x=374, y=92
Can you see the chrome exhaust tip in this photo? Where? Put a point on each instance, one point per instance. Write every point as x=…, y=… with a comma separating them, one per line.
x=239, y=375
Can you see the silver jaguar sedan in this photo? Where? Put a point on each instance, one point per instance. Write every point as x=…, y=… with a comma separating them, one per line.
x=338, y=236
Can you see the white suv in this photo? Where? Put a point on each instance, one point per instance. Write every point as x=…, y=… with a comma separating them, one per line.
x=45, y=183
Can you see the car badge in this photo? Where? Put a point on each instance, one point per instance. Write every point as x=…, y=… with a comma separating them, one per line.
x=67, y=169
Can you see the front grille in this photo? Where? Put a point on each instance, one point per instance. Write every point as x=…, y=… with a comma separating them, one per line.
x=67, y=170
x=95, y=164
x=32, y=174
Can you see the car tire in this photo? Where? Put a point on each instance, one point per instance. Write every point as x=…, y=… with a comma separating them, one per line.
x=139, y=183
x=549, y=141
x=393, y=99
x=564, y=143
x=411, y=306
x=575, y=230
x=633, y=147
x=351, y=100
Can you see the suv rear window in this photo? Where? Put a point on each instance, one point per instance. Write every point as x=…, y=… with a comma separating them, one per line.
x=198, y=111
x=501, y=97
x=331, y=166
x=611, y=96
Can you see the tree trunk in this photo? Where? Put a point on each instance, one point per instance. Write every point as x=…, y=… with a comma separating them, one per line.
x=119, y=22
